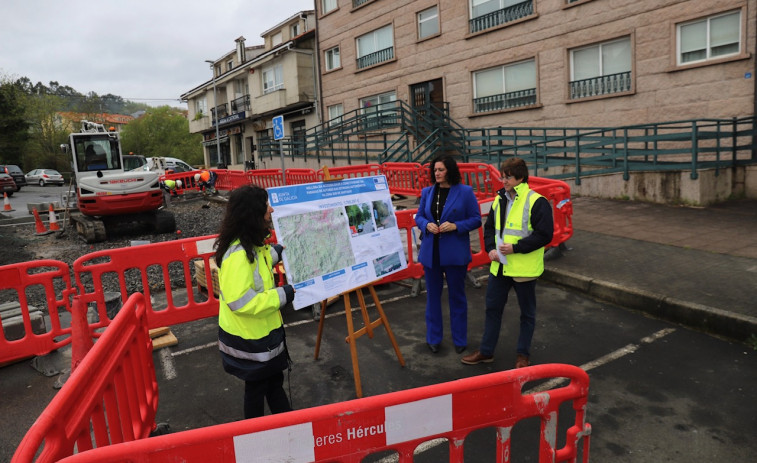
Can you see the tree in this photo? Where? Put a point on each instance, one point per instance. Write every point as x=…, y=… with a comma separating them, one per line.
x=13, y=125
x=47, y=132
x=163, y=131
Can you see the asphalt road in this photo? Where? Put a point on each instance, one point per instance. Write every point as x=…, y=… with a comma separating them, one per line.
x=658, y=392
x=34, y=194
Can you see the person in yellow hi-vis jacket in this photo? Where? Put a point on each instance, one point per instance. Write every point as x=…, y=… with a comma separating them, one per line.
x=518, y=228
x=251, y=332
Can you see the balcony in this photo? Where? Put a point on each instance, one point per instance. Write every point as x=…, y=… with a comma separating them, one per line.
x=375, y=58
x=503, y=16
x=601, y=85
x=240, y=104
x=219, y=112
x=502, y=101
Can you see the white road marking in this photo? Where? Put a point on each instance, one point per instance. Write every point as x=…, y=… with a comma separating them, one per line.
x=167, y=363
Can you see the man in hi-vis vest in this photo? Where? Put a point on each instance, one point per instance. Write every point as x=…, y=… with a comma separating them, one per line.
x=517, y=229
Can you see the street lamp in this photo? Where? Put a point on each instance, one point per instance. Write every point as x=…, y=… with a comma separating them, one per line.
x=215, y=110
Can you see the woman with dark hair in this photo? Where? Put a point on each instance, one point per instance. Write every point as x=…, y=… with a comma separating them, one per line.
x=447, y=212
x=251, y=333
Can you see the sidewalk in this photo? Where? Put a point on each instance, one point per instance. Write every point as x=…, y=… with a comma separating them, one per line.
x=693, y=266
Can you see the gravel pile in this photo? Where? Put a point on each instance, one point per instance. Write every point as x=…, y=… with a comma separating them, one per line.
x=195, y=216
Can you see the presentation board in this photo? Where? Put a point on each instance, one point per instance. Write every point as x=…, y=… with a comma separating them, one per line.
x=338, y=235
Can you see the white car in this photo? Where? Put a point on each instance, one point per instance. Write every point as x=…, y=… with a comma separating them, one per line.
x=44, y=177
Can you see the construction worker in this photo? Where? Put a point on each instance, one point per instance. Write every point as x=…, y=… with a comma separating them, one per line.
x=171, y=186
x=206, y=181
x=251, y=330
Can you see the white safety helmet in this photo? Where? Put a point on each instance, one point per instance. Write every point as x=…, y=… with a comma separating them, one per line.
x=178, y=183
x=197, y=177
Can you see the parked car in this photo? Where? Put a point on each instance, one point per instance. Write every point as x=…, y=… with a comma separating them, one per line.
x=16, y=173
x=162, y=165
x=44, y=177
x=134, y=161
x=7, y=185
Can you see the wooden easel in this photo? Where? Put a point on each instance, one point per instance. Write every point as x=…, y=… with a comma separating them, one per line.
x=353, y=335
x=369, y=325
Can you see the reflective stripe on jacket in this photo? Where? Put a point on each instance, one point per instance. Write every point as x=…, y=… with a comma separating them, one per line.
x=518, y=226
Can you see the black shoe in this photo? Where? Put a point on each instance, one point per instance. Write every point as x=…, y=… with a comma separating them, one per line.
x=433, y=347
x=460, y=349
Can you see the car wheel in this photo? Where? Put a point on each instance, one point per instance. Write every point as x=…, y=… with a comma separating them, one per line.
x=9, y=193
x=41, y=183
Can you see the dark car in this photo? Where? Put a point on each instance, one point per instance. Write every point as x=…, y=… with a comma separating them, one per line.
x=44, y=177
x=7, y=185
x=16, y=173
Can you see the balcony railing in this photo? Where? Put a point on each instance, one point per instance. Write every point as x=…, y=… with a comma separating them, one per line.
x=375, y=58
x=505, y=101
x=503, y=16
x=602, y=85
x=219, y=112
x=357, y=3
x=240, y=104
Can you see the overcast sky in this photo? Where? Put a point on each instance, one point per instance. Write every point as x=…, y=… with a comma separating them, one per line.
x=149, y=51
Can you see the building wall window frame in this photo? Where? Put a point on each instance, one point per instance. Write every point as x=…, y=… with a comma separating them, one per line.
x=601, y=69
x=359, y=3
x=277, y=39
x=375, y=47
x=327, y=6
x=332, y=58
x=506, y=87
x=379, y=110
x=335, y=114
x=273, y=78
x=201, y=107
x=488, y=14
x=710, y=38
x=294, y=30
x=240, y=104
x=428, y=23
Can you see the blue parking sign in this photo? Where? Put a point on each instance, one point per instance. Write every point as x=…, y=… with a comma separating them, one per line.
x=278, y=127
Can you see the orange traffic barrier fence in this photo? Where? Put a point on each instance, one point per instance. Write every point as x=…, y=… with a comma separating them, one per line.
x=404, y=178
x=112, y=397
x=24, y=332
x=396, y=422
x=344, y=172
x=101, y=273
x=300, y=176
x=265, y=178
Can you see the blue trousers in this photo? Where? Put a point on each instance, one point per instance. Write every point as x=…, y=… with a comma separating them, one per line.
x=458, y=303
x=497, y=290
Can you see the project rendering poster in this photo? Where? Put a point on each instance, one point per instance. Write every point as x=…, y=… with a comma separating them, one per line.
x=338, y=235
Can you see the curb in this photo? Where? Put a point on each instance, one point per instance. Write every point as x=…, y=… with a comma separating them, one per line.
x=711, y=320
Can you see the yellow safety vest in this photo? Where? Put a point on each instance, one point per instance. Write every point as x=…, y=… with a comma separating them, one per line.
x=518, y=226
x=249, y=299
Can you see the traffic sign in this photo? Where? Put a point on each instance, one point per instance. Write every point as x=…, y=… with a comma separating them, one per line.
x=278, y=127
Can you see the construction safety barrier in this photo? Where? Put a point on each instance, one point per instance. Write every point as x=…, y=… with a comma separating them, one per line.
x=396, y=422
x=25, y=330
x=110, y=398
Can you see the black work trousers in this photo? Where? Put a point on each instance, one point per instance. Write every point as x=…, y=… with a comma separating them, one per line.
x=272, y=389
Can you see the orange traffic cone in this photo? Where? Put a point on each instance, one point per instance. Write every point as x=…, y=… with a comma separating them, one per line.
x=40, y=227
x=81, y=339
x=7, y=203
x=53, y=220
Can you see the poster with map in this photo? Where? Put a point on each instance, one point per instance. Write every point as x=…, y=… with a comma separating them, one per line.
x=338, y=235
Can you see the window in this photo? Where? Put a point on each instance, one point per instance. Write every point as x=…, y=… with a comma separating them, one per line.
x=201, y=107
x=273, y=78
x=379, y=110
x=298, y=137
x=428, y=22
x=709, y=38
x=335, y=114
x=375, y=47
x=229, y=65
x=601, y=69
x=505, y=87
x=295, y=29
x=276, y=39
x=328, y=5
x=332, y=59
x=486, y=14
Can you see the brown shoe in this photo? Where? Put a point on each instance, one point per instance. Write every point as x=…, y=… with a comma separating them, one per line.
x=521, y=361
x=476, y=358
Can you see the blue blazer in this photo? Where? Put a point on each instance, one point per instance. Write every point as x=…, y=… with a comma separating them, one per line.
x=461, y=208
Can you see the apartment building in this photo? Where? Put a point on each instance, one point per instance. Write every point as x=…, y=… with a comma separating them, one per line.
x=542, y=63
x=251, y=85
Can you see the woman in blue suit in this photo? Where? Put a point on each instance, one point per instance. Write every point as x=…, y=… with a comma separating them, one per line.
x=448, y=211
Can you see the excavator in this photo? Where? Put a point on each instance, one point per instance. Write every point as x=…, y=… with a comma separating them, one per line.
x=108, y=196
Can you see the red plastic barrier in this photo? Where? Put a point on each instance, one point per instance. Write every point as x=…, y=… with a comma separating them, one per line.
x=399, y=421
x=103, y=272
x=265, y=177
x=51, y=280
x=112, y=397
x=404, y=178
x=300, y=176
x=365, y=170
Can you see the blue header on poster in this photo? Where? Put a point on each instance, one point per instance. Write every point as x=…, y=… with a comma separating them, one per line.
x=325, y=190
